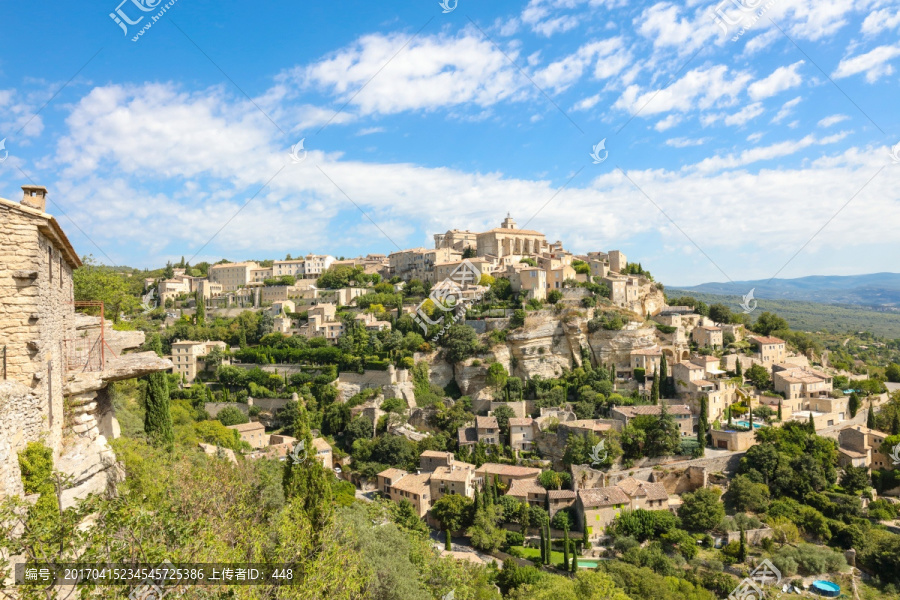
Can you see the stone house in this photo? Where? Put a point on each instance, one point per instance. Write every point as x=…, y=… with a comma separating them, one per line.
x=37, y=323
x=323, y=452
x=557, y=500
x=733, y=441
x=252, y=433
x=529, y=491
x=508, y=239
x=412, y=487
x=684, y=373
x=187, y=357
x=680, y=412
x=800, y=382
x=430, y=460
x=232, y=275
x=486, y=430
x=506, y=473
x=598, y=507
x=769, y=348
x=527, y=280
x=617, y=261
x=708, y=336
x=456, y=478
x=866, y=442
x=521, y=434
x=647, y=359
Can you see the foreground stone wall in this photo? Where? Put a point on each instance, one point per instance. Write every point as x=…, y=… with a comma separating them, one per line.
x=21, y=421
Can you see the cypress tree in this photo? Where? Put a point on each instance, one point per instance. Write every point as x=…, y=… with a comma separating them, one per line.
x=549, y=544
x=543, y=546
x=811, y=424
x=307, y=482
x=566, y=547
x=742, y=548
x=854, y=404
x=664, y=377
x=780, y=417
x=750, y=417
x=574, y=560
x=738, y=369
x=654, y=390
x=157, y=418
x=703, y=422
x=870, y=418
x=730, y=424
x=895, y=423
x=201, y=310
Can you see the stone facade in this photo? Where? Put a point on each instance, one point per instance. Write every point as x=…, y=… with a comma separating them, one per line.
x=37, y=315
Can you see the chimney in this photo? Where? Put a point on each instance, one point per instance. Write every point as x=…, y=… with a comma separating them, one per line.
x=35, y=196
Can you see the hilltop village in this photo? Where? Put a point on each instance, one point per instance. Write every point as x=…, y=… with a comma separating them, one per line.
x=527, y=407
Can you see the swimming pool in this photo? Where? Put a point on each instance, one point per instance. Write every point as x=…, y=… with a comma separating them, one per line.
x=746, y=424
x=587, y=563
x=826, y=588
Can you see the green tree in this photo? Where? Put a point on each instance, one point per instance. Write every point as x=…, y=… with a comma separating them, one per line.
x=742, y=549
x=855, y=479
x=703, y=422
x=768, y=322
x=701, y=510
x=157, y=418
x=503, y=414
x=452, y=511
x=554, y=296
x=758, y=375
x=518, y=319
x=496, y=376
x=665, y=389
x=566, y=548
x=870, y=417
x=854, y=404
x=201, y=309
x=486, y=532
x=720, y=313
x=892, y=373
x=231, y=415
x=306, y=482
x=98, y=283
x=744, y=494
x=654, y=390
x=460, y=342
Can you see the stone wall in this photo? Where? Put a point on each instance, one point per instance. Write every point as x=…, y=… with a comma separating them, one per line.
x=269, y=404
x=214, y=408
x=21, y=421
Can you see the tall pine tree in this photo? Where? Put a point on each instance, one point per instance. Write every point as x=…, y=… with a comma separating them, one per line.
x=654, y=390
x=853, y=404
x=703, y=422
x=780, y=415
x=306, y=481
x=664, y=377
x=157, y=418
x=870, y=418
x=566, y=547
x=543, y=546
x=201, y=310
x=811, y=424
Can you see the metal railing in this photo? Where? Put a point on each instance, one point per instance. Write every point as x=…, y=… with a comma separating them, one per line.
x=87, y=352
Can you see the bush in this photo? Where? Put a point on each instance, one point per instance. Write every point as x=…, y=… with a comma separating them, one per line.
x=514, y=538
x=231, y=415
x=811, y=560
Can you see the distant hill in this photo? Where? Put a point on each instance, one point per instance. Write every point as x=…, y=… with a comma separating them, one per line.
x=811, y=316
x=877, y=290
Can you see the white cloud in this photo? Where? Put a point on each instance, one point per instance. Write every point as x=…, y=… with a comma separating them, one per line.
x=668, y=123
x=686, y=142
x=698, y=89
x=880, y=20
x=787, y=109
x=832, y=120
x=370, y=130
x=562, y=73
x=748, y=113
x=783, y=78
x=874, y=64
x=762, y=153
x=430, y=72
x=667, y=27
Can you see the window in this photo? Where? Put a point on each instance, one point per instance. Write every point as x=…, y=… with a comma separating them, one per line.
x=50, y=262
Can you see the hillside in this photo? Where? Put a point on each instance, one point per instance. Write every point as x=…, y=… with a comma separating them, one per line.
x=810, y=316
x=881, y=290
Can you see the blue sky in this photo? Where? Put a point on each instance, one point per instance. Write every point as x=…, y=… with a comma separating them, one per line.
x=730, y=156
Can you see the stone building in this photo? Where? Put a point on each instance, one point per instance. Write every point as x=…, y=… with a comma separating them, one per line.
x=187, y=357
x=232, y=275
x=51, y=353
x=37, y=322
x=509, y=239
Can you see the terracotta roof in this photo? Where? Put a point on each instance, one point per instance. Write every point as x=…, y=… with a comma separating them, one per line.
x=510, y=470
x=637, y=489
x=605, y=496
x=561, y=494
x=689, y=365
x=503, y=230
x=393, y=474
x=467, y=435
x=242, y=427
x=417, y=484
x=710, y=328
x=486, y=423
x=321, y=444
x=435, y=454
x=766, y=339
x=852, y=453
x=517, y=422
x=520, y=488
x=592, y=424
x=448, y=474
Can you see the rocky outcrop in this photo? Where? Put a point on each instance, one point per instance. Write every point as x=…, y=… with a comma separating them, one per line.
x=616, y=346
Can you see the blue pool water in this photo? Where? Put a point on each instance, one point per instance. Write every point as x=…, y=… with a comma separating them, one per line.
x=826, y=588
x=747, y=424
